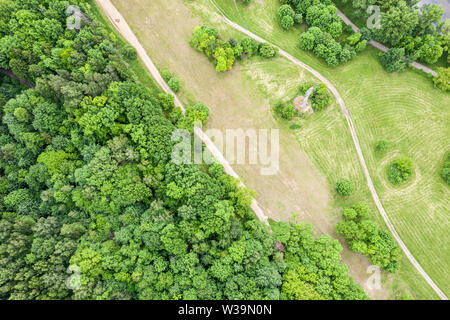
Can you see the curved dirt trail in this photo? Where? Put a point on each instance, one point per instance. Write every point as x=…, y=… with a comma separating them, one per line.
x=121, y=25
x=351, y=126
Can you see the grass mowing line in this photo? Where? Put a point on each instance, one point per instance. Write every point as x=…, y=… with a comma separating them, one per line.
x=118, y=21
x=358, y=149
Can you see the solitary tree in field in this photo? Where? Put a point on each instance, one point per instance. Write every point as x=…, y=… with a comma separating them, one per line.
x=400, y=170
x=344, y=187
x=381, y=146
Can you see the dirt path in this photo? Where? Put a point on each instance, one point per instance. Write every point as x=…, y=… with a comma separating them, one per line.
x=121, y=25
x=348, y=117
x=11, y=74
x=381, y=47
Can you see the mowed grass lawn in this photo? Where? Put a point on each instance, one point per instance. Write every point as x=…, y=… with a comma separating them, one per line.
x=242, y=98
x=403, y=109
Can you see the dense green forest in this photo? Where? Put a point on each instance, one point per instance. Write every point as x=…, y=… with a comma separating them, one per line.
x=87, y=187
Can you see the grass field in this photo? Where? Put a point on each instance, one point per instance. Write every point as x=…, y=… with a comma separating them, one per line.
x=403, y=109
x=242, y=98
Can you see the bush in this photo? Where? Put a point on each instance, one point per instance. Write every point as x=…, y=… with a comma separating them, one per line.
x=361, y=46
x=400, y=170
x=197, y=112
x=393, y=60
x=233, y=42
x=445, y=173
x=174, y=84
x=366, y=34
x=287, y=22
x=267, y=51
x=344, y=188
x=238, y=51
x=442, y=80
x=194, y=114
x=288, y=112
x=285, y=111
x=167, y=101
x=166, y=75
x=405, y=296
x=354, y=38
x=348, y=29
x=129, y=53
x=381, y=146
x=364, y=236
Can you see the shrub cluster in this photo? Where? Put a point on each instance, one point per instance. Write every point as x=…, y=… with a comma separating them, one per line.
x=325, y=30
x=400, y=170
x=364, y=236
x=319, y=98
x=173, y=82
x=224, y=53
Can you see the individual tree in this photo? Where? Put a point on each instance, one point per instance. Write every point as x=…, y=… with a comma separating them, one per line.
x=381, y=146
x=286, y=10
x=307, y=41
x=287, y=22
x=400, y=170
x=344, y=187
x=393, y=60
x=249, y=46
x=174, y=84
x=266, y=50
x=442, y=79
